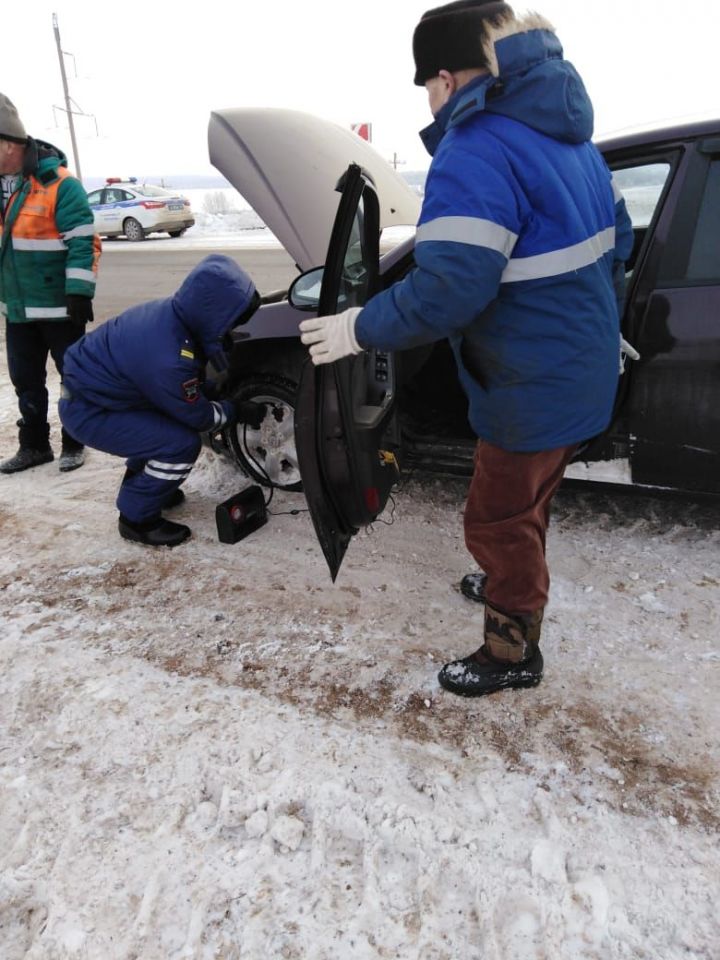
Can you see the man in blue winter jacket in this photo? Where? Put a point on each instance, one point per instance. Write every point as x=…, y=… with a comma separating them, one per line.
x=519, y=254
x=134, y=388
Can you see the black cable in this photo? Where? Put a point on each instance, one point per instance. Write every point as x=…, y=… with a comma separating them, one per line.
x=388, y=523
x=279, y=513
x=259, y=467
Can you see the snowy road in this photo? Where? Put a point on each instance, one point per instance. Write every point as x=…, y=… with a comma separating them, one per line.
x=215, y=753
x=132, y=273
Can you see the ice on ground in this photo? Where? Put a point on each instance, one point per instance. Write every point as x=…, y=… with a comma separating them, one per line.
x=214, y=752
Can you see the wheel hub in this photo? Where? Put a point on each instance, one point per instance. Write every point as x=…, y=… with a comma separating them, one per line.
x=271, y=448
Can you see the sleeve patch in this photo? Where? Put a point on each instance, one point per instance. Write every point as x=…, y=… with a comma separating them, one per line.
x=191, y=390
x=187, y=353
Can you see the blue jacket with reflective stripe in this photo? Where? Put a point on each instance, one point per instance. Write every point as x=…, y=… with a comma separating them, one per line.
x=152, y=356
x=519, y=242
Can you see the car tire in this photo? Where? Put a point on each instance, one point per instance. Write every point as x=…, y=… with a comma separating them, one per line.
x=133, y=230
x=268, y=455
x=176, y=233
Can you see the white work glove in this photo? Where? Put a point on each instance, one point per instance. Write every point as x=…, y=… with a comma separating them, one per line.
x=627, y=350
x=331, y=338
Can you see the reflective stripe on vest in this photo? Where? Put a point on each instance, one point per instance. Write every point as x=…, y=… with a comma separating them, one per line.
x=35, y=227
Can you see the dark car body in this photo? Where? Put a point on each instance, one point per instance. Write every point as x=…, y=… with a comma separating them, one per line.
x=665, y=431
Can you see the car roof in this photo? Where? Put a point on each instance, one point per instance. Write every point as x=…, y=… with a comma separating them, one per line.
x=649, y=135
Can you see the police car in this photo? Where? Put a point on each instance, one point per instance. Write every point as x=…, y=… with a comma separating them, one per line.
x=126, y=207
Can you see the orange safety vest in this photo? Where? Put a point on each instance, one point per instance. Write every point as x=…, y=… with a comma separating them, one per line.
x=43, y=260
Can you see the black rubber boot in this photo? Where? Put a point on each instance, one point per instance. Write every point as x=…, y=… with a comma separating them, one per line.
x=26, y=458
x=510, y=656
x=480, y=673
x=472, y=586
x=71, y=458
x=156, y=532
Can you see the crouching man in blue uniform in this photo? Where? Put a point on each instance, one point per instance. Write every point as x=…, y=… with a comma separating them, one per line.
x=134, y=388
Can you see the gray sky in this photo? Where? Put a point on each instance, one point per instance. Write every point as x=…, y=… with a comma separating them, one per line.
x=151, y=72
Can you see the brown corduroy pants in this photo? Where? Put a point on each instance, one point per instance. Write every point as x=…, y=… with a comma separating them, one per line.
x=506, y=519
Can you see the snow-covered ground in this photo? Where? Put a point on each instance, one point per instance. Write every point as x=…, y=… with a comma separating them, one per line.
x=214, y=753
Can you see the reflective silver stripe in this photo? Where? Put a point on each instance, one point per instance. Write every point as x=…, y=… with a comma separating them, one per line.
x=169, y=466
x=20, y=243
x=85, y=230
x=74, y=273
x=472, y=230
x=557, y=262
x=617, y=193
x=220, y=418
x=166, y=476
x=40, y=313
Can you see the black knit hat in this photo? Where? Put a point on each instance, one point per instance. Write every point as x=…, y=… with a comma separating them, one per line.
x=451, y=37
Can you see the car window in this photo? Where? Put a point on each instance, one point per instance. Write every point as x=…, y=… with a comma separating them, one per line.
x=125, y=195
x=355, y=278
x=150, y=190
x=704, y=260
x=641, y=186
x=114, y=196
x=94, y=197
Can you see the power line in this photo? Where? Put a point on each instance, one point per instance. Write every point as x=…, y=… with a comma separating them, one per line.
x=69, y=102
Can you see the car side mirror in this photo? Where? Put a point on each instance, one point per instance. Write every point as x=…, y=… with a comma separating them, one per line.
x=304, y=293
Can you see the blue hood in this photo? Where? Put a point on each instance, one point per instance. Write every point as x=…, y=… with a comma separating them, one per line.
x=535, y=86
x=212, y=298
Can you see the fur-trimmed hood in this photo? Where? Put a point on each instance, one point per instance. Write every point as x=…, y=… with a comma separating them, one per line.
x=511, y=27
x=529, y=81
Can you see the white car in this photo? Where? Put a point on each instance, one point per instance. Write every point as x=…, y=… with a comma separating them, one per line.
x=132, y=209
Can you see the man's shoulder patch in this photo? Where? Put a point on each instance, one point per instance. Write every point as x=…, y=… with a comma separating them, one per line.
x=191, y=390
x=188, y=354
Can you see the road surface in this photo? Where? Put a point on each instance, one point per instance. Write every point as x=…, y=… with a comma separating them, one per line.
x=133, y=273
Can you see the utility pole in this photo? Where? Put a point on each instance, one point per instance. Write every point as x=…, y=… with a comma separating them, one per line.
x=68, y=108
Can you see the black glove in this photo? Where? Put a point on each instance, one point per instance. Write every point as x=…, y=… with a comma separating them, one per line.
x=79, y=309
x=250, y=413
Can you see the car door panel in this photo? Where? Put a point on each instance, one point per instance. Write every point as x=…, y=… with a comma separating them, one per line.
x=344, y=412
x=673, y=408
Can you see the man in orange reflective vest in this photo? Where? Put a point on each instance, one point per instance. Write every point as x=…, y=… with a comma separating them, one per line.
x=49, y=254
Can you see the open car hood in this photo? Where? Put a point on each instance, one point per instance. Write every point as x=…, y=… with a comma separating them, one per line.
x=286, y=164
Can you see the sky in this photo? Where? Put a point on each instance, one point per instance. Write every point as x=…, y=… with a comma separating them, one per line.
x=148, y=75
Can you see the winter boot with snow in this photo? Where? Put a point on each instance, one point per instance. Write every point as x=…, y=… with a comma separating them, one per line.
x=71, y=458
x=472, y=586
x=510, y=657
x=25, y=458
x=156, y=532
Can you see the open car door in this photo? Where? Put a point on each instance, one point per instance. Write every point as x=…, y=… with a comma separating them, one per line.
x=344, y=410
